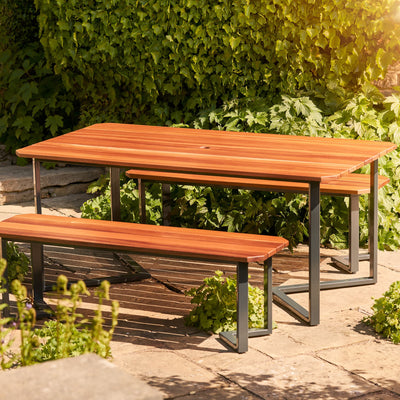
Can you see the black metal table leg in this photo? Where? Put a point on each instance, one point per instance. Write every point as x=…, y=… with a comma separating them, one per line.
x=42, y=309
x=142, y=200
x=373, y=222
x=115, y=194
x=281, y=292
x=312, y=316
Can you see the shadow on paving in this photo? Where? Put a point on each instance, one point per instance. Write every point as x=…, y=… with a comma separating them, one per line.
x=151, y=310
x=263, y=387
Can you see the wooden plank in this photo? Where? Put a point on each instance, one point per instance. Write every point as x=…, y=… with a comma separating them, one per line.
x=352, y=184
x=166, y=240
x=210, y=152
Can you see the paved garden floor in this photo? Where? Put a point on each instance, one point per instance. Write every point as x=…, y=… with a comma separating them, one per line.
x=341, y=358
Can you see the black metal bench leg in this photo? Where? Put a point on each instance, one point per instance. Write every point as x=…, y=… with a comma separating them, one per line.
x=242, y=307
x=37, y=272
x=268, y=295
x=43, y=310
x=239, y=339
x=6, y=294
x=354, y=233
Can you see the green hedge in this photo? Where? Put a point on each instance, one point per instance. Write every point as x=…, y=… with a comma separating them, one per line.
x=18, y=23
x=162, y=61
x=34, y=104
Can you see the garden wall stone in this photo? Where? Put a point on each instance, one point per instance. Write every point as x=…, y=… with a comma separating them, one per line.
x=16, y=183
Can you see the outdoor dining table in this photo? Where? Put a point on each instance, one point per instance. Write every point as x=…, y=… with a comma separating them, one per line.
x=312, y=160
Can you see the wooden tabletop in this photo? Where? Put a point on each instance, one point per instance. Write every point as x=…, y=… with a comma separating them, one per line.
x=251, y=155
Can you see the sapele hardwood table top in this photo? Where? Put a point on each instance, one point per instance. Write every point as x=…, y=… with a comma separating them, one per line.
x=248, y=155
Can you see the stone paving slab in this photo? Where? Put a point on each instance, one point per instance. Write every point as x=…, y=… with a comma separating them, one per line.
x=342, y=358
x=87, y=377
x=170, y=373
x=341, y=328
x=375, y=360
x=231, y=392
x=380, y=395
x=66, y=205
x=301, y=376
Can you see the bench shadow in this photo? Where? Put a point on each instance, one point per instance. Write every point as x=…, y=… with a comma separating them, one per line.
x=152, y=310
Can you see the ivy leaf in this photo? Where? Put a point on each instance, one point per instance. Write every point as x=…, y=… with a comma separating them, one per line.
x=394, y=102
x=54, y=122
x=23, y=122
x=234, y=42
x=27, y=90
x=383, y=58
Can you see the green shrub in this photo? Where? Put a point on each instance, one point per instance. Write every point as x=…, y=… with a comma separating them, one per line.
x=215, y=308
x=34, y=103
x=100, y=207
x=386, y=314
x=68, y=335
x=6, y=359
x=163, y=61
x=18, y=262
x=18, y=23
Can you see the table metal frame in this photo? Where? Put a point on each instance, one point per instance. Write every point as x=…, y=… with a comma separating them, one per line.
x=281, y=293
x=348, y=264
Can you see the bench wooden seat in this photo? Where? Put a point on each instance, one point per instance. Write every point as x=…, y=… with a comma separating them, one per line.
x=231, y=247
x=351, y=185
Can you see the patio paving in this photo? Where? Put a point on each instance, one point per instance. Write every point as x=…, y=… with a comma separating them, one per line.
x=342, y=358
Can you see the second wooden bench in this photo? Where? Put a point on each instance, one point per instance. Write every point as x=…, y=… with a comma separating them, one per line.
x=228, y=247
x=352, y=186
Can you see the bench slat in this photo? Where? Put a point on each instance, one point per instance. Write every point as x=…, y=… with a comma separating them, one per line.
x=141, y=238
x=352, y=184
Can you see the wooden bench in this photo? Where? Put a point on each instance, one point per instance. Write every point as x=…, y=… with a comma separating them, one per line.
x=229, y=247
x=352, y=186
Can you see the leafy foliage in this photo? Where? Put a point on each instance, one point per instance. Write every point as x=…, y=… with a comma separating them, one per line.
x=68, y=335
x=240, y=211
x=215, y=308
x=18, y=23
x=34, y=103
x=18, y=262
x=100, y=206
x=5, y=329
x=386, y=314
x=164, y=61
